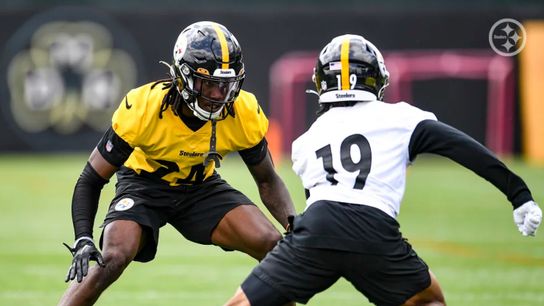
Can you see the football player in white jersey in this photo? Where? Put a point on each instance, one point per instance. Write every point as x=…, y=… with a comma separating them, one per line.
x=352, y=162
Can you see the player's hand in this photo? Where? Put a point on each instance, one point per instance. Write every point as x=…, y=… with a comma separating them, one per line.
x=83, y=251
x=528, y=217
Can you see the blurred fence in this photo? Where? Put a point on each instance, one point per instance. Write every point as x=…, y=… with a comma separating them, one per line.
x=63, y=70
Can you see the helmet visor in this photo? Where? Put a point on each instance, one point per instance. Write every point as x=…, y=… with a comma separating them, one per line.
x=217, y=89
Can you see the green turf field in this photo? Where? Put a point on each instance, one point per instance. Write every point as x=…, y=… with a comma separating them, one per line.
x=457, y=222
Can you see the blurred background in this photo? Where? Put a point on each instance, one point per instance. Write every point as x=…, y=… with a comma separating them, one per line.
x=65, y=66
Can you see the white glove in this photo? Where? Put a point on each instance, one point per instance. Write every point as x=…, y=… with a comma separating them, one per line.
x=528, y=217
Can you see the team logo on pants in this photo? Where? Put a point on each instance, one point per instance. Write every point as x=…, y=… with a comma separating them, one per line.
x=124, y=204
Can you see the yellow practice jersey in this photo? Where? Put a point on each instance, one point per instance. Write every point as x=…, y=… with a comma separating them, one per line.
x=171, y=150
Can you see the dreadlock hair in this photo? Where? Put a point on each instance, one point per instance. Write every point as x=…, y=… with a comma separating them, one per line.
x=172, y=97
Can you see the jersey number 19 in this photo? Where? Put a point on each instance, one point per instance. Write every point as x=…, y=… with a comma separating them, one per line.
x=362, y=166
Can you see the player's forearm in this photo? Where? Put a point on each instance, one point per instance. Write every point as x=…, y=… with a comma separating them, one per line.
x=439, y=138
x=277, y=200
x=85, y=201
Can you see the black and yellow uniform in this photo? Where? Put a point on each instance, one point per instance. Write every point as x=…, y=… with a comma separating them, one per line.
x=162, y=178
x=167, y=147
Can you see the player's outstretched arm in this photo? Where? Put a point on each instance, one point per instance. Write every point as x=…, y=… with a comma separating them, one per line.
x=432, y=136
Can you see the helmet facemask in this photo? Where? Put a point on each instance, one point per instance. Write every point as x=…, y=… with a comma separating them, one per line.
x=209, y=97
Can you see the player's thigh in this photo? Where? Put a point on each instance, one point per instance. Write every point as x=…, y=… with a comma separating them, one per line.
x=246, y=228
x=216, y=213
x=430, y=296
x=291, y=273
x=387, y=277
x=133, y=222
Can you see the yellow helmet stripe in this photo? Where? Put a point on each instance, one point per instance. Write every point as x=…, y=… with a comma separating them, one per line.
x=344, y=61
x=224, y=46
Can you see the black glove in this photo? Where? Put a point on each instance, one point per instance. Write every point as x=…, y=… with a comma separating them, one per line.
x=83, y=251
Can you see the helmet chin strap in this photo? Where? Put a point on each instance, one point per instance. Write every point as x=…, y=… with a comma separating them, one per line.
x=213, y=155
x=201, y=114
x=198, y=111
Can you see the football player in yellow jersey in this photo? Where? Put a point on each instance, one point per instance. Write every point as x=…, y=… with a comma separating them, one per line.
x=164, y=144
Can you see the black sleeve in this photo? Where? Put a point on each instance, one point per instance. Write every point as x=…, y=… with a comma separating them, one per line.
x=432, y=136
x=113, y=148
x=256, y=154
x=85, y=201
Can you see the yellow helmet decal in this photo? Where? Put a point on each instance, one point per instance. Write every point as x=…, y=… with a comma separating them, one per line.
x=203, y=71
x=224, y=47
x=344, y=61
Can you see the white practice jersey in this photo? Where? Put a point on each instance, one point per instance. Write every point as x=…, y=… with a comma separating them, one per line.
x=358, y=154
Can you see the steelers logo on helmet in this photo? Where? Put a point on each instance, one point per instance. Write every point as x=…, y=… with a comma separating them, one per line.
x=208, y=69
x=180, y=47
x=350, y=68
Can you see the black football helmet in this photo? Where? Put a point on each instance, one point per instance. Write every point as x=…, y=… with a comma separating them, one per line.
x=348, y=69
x=208, y=69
